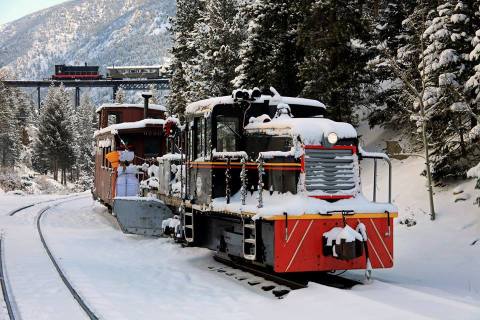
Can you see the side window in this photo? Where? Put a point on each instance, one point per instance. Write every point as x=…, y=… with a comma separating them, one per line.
x=227, y=134
x=190, y=141
x=113, y=118
x=151, y=147
x=199, y=137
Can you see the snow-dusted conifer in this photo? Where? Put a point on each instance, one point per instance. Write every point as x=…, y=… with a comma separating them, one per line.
x=270, y=55
x=9, y=138
x=188, y=13
x=55, y=147
x=85, y=127
x=120, y=96
x=217, y=35
x=444, y=67
x=336, y=36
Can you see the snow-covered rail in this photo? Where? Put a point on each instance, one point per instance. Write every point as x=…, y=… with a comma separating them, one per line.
x=17, y=210
x=3, y=284
x=67, y=283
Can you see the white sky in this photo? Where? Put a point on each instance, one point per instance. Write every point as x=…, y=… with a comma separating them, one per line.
x=11, y=10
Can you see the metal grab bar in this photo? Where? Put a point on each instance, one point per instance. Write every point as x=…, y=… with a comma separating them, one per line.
x=375, y=157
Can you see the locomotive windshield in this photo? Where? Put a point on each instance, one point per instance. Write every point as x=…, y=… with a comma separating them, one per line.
x=227, y=133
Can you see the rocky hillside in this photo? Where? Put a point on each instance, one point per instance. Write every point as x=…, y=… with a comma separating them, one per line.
x=100, y=32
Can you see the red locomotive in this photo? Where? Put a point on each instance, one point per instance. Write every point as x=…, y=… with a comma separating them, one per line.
x=259, y=178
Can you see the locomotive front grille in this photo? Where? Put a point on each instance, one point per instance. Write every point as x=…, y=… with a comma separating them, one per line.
x=330, y=171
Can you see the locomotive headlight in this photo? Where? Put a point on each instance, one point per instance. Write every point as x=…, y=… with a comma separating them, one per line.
x=332, y=138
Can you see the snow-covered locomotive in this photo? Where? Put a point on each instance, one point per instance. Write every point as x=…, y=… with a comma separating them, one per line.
x=267, y=180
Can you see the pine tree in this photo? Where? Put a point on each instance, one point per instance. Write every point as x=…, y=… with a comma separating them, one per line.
x=337, y=38
x=85, y=127
x=120, y=96
x=270, y=55
x=55, y=145
x=9, y=138
x=188, y=13
x=217, y=35
x=472, y=85
x=444, y=67
x=391, y=35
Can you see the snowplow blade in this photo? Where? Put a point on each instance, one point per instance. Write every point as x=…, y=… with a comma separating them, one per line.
x=142, y=216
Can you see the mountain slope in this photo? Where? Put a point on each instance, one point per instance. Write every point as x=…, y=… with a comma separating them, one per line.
x=100, y=32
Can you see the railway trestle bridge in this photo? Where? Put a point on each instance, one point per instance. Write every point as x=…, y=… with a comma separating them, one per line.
x=126, y=84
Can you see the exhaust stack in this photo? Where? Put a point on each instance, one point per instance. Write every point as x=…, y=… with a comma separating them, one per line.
x=146, y=96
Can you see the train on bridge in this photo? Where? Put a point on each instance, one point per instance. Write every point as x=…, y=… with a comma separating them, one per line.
x=86, y=72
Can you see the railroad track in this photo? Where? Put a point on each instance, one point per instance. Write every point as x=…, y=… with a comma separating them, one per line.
x=279, y=285
x=88, y=311
x=3, y=283
x=17, y=210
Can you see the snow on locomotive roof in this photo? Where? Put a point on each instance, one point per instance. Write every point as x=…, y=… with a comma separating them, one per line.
x=129, y=125
x=207, y=105
x=311, y=130
x=130, y=105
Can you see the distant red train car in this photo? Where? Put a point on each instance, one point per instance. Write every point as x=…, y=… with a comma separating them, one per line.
x=64, y=72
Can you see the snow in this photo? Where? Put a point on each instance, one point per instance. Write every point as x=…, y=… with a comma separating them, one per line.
x=134, y=198
x=207, y=105
x=232, y=154
x=474, y=172
x=311, y=130
x=113, y=129
x=459, y=17
x=298, y=205
x=171, y=157
x=273, y=154
x=132, y=277
x=367, y=154
x=130, y=105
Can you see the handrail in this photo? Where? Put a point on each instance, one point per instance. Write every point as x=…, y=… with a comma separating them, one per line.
x=378, y=156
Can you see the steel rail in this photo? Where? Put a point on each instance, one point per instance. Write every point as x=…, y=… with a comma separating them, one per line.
x=67, y=283
x=15, y=211
x=3, y=284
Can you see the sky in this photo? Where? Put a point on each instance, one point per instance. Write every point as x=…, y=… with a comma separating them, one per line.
x=11, y=10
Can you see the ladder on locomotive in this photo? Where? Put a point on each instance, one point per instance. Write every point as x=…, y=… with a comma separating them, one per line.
x=249, y=239
x=188, y=225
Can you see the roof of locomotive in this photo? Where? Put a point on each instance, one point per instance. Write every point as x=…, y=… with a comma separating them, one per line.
x=312, y=131
x=207, y=105
x=130, y=105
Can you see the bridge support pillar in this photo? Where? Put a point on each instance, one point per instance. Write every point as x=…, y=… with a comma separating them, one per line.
x=115, y=90
x=39, y=98
x=77, y=97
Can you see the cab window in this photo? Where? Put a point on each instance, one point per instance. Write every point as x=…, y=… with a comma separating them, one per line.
x=227, y=134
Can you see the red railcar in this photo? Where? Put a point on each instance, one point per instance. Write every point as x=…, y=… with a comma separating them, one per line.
x=64, y=72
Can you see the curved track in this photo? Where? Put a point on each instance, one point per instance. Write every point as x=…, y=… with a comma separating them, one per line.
x=65, y=280
x=15, y=211
x=3, y=284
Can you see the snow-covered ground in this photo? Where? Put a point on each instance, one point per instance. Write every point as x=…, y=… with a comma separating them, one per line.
x=133, y=277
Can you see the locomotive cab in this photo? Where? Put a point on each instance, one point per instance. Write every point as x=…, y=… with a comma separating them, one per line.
x=219, y=138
